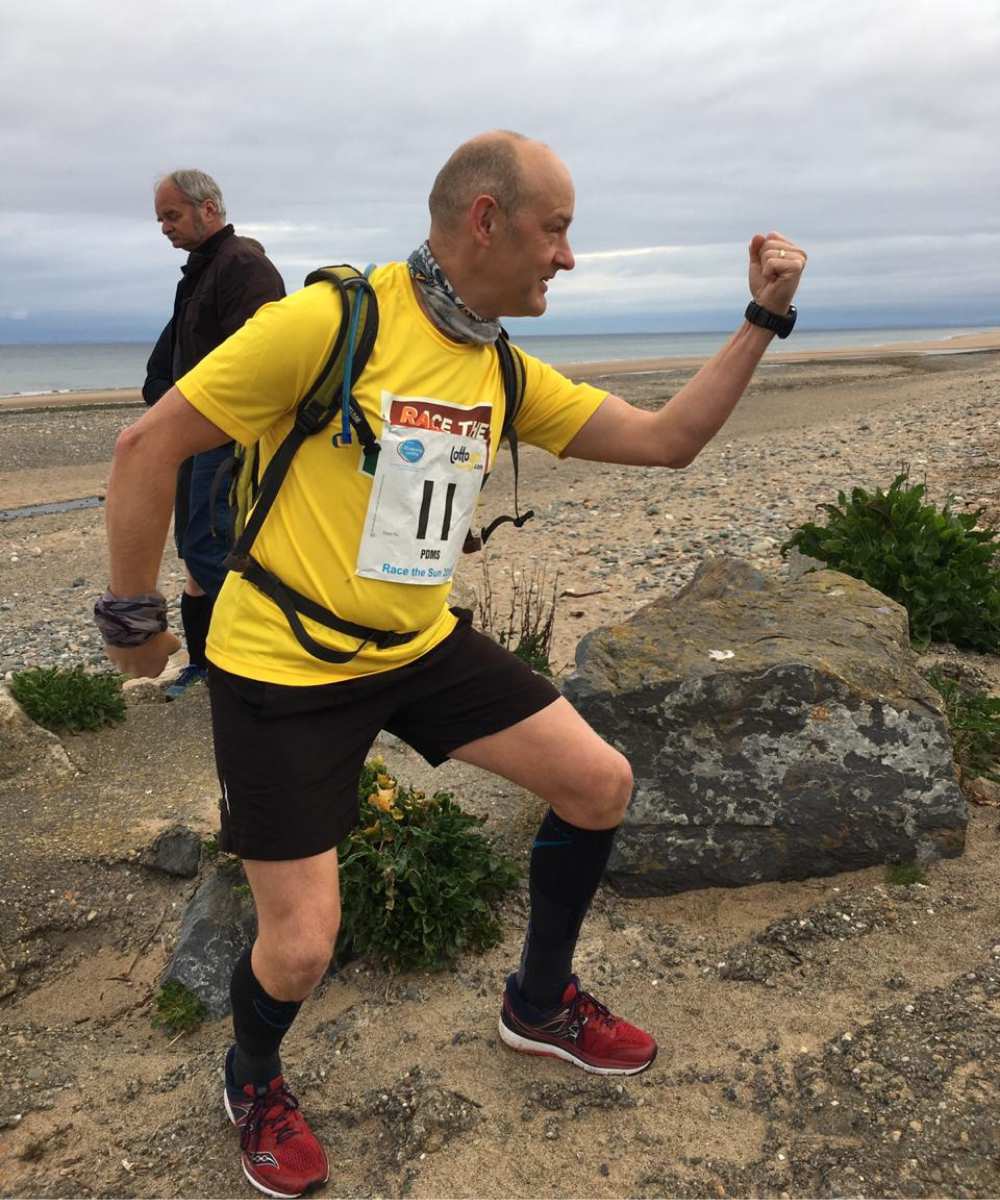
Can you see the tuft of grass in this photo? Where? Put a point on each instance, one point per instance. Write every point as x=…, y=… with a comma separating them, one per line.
x=974, y=718
x=69, y=699
x=420, y=884
x=178, y=1009
x=527, y=625
x=904, y=874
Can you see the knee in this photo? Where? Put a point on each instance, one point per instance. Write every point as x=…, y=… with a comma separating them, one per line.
x=299, y=956
x=606, y=792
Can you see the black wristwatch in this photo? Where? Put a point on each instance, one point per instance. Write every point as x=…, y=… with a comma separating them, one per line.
x=766, y=319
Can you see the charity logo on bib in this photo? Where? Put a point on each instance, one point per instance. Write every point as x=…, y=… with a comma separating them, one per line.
x=425, y=488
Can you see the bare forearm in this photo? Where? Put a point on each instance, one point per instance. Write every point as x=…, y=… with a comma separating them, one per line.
x=140, y=500
x=692, y=417
x=674, y=436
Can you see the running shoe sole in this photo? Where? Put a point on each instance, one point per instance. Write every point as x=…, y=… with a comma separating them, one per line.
x=547, y=1050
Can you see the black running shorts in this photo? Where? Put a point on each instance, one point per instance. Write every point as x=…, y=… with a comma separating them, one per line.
x=289, y=757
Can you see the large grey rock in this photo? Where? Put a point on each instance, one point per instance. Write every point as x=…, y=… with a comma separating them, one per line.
x=777, y=730
x=218, y=925
x=27, y=747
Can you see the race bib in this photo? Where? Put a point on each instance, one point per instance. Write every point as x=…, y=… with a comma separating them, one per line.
x=425, y=489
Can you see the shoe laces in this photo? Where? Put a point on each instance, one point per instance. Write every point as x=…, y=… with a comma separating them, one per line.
x=586, y=1007
x=273, y=1107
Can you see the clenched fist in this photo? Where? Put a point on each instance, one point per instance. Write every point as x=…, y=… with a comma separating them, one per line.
x=776, y=266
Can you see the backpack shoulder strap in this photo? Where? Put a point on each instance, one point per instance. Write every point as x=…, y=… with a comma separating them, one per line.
x=513, y=375
x=334, y=382
x=348, y=357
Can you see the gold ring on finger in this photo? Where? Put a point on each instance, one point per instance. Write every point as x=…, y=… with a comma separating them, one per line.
x=781, y=254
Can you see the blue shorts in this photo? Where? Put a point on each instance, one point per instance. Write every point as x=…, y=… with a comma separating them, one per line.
x=195, y=518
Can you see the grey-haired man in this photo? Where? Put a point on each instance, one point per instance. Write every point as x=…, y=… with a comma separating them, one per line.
x=225, y=280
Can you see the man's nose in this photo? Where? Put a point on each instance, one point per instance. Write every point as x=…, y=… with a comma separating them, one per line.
x=565, y=259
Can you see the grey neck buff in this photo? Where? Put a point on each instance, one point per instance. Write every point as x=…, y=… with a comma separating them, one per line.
x=447, y=310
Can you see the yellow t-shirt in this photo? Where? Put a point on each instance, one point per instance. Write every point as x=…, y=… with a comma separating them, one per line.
x=335, y=533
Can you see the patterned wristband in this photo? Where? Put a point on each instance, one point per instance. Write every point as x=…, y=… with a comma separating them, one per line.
x=130, y=620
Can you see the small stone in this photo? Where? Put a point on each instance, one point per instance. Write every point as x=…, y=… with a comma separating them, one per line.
x=985, y=792
x=176, y=851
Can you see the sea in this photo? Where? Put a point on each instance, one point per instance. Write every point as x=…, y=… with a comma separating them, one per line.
x=27, y=370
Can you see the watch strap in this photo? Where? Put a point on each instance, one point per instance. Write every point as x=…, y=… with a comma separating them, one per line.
x=756, y=314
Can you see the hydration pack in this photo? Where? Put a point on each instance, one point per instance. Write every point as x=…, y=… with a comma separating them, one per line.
x=251, y=494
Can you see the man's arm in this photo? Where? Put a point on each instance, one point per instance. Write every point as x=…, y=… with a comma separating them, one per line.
x=139, y=503
x=674, y=436
x=159, y=368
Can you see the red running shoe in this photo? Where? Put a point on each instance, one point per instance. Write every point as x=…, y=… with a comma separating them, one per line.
x=281, y=1155
x=582, y=1032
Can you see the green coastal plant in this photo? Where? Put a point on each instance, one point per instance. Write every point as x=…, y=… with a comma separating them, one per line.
x=937, y=563
x=178, y=1009
x=69, y=699
x=974, y=718
x=526, y=626
x=905, y=874
x=419, y=883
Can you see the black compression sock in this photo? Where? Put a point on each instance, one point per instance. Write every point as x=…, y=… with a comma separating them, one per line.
x=196, y=616
x=260, y=1022
x=566, y=866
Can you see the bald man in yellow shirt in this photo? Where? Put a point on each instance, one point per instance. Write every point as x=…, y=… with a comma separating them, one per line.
x=376, y=546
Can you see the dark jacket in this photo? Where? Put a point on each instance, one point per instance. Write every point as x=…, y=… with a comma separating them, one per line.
x=159, y=369
x=225, y=281
x=223, y=284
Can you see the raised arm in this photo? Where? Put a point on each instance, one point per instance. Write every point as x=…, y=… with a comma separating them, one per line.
x=674, y=436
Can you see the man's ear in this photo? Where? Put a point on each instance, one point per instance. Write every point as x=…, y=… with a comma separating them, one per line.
x=483, y=216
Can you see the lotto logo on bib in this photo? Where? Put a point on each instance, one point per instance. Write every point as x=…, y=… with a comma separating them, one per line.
x=466, y=460
x=425, y=489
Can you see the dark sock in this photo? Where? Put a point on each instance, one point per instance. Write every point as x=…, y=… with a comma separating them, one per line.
x=260, y=1022
x=196, y=616
x=566, y=866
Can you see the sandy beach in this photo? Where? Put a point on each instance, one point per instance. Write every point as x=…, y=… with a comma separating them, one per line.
x=869, y=1066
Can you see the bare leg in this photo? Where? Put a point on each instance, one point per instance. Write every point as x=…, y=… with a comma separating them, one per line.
x=298, y=915
x=555, y=754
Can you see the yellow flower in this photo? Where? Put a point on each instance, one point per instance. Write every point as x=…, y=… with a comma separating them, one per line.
x=383, y=798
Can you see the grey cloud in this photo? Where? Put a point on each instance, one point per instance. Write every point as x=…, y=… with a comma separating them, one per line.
x=689, y=126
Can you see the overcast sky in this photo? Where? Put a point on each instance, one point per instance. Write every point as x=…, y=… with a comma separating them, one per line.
x=865, y=131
